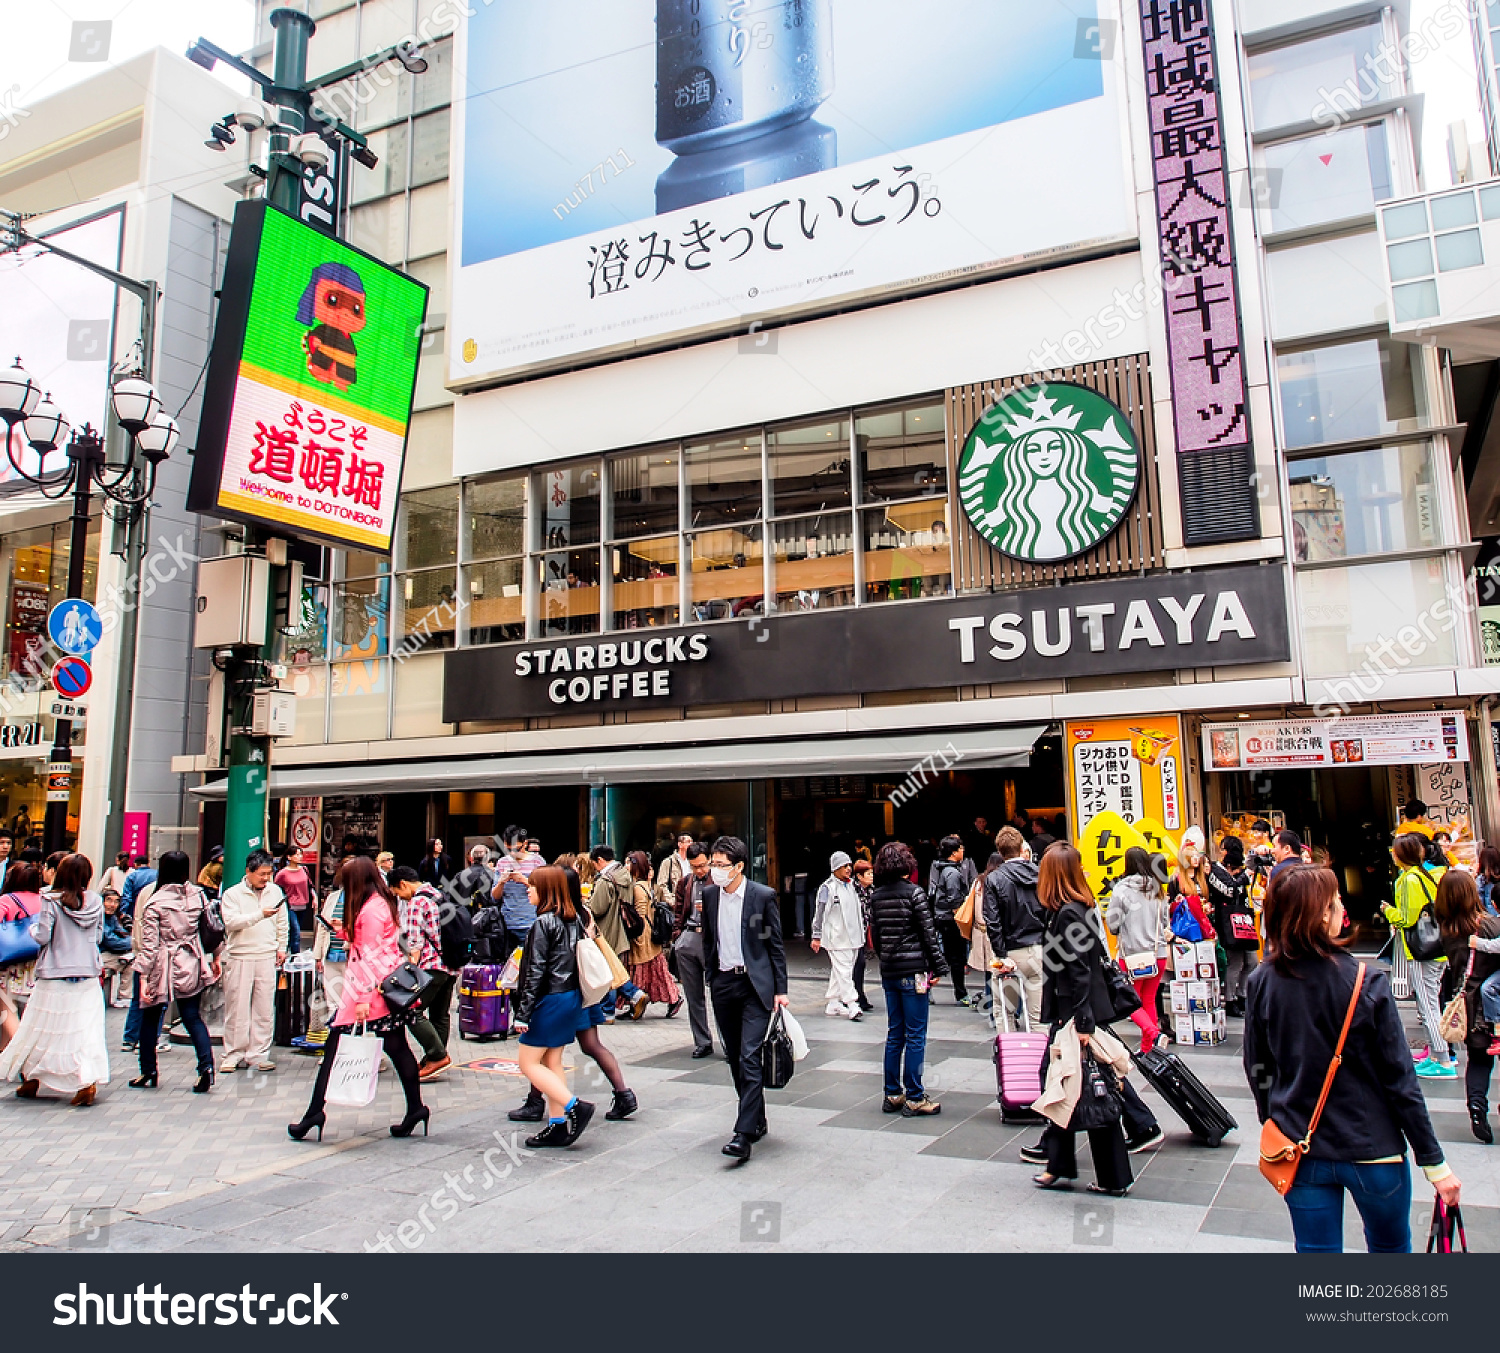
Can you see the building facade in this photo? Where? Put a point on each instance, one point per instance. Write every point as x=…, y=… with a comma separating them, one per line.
x=809, y=571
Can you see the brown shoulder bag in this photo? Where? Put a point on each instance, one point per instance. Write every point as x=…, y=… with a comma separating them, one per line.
x=1279, y=1154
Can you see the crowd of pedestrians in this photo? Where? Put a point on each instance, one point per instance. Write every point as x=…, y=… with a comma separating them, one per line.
x=1014, y=931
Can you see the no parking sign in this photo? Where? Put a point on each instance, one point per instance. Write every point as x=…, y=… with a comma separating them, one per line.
x=71, y=677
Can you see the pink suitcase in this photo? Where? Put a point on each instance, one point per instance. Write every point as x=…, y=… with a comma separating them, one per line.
x=1018, y=1066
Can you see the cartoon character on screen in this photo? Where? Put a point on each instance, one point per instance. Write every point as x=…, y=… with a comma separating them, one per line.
x=334, y=303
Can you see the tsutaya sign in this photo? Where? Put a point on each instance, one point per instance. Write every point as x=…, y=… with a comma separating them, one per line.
x=1214, y=618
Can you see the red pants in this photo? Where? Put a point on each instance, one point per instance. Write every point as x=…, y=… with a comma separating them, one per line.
x=1145, y=1017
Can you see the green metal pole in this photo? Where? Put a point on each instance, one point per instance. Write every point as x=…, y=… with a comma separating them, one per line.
x=250, y=757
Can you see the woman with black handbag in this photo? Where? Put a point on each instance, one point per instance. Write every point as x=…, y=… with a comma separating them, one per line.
x=1416, y=931
x=1083, y=986
x=372, y=922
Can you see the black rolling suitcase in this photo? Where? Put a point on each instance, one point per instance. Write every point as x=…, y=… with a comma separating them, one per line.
x=1193, y=1101
x=294, y=987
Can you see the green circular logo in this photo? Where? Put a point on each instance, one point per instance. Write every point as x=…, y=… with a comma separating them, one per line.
x=1048, y=471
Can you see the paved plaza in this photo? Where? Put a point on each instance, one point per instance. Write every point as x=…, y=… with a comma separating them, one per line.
x=170, y=1170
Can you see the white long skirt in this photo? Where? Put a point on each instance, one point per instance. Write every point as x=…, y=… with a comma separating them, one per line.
x=61, y=1042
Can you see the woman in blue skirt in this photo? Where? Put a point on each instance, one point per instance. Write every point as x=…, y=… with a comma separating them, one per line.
x=549, y=1003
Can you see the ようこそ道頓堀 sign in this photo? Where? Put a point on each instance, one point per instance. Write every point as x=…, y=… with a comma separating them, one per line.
x=310, y=384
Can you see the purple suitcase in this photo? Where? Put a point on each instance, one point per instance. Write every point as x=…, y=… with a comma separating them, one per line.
x=1018, y=1067
x=483, y=1008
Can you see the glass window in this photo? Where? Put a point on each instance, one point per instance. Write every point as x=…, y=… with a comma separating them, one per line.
x=383, y=23
x=361, y=617
x=429, y=148
x=809, y=467
x=1462, y=249
x=1328, y=177
x=1402, y=222
x=429, y=609
x=429, y=220
x=309, y=684
x=1365, y=502
x=307, y=642
x=569, y=505
x=429, y=527
x=1293, y=84
x=643, y=493
x=1415, y=300
x=361, y=564
x=902, y=453
x=389, y=175
x=1348, y=390
x=434, y=272
x=496, y=513
x=568, y=581
x=335, y=44
x=1354, y=619
x=723, y=479
x=1410, y=258
x=379, y=228
x=418, y=709
x=434, y=87
x=1327, y=285
x=376, y=96
x=1453, y=211
x=645, y=582
x=814, y=562
x=908, y=551
x=727, y=574
x=496, y=610
x=359, y=709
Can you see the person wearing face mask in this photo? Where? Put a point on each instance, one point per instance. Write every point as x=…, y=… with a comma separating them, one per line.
x=746, y=964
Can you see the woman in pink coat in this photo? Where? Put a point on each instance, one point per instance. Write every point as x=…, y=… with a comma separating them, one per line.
x=372, y=922
x=172, y=966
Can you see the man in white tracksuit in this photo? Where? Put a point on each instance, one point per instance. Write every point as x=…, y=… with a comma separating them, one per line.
x=838, y=928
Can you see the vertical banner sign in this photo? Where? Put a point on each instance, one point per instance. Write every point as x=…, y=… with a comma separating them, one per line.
x=136, y=836
x=1210, y=394
x=310, y=385
x=28, y=624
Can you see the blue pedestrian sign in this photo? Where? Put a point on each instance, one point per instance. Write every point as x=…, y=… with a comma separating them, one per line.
x=74, y=626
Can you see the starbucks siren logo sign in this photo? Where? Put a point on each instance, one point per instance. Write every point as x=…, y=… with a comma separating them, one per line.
x=1048, y=471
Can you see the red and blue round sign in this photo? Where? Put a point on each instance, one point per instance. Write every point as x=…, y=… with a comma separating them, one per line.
x=72, y=677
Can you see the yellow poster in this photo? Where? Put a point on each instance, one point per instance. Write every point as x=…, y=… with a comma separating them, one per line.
x=1131, y=767
x=1159, y=841
x=1103, y=843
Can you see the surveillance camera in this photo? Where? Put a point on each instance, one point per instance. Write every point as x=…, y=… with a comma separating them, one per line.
x=220, y=137
x=252, y=114
x=365, y=156
x=410, y=56
x=312, y=150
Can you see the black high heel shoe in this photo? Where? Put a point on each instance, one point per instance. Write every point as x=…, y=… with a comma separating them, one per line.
x=312, y=1119
x=408, y=1124
x=204, y=1081
x=145, y=1082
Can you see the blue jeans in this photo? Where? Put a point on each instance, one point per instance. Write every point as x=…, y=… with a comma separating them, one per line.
x=906, y=1012
x=1382, y=1193
x=133, y=1015
x=1489, y=997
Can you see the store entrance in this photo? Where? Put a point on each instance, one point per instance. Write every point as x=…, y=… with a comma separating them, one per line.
x=1345, y=811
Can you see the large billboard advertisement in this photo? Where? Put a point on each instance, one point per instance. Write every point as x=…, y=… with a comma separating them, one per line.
x=630, y=173
x=310, y=384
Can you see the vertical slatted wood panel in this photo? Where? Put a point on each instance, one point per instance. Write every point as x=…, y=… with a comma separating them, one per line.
x=1133, y=546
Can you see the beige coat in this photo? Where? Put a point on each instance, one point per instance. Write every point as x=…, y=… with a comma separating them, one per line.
x=644, y=949
x=1059, y=1096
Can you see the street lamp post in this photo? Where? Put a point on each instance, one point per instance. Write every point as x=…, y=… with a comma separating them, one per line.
x=127, y=488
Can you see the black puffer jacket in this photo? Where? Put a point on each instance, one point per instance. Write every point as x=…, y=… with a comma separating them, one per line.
x=906, y=939
x=548, y=963
x=949, y=887
x=1012, y=914
x=1073, y=984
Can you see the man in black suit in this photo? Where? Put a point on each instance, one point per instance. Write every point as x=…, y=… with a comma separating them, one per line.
x=746, y=968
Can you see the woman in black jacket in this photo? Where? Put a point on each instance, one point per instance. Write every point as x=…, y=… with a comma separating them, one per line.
x=549, y=1003
x=1074, y=988
x=1296, y=1003
x=906, y=940
x=1464, y=921
x=436, y=868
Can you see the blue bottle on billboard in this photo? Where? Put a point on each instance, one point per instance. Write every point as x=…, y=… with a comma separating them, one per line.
x=729, y=70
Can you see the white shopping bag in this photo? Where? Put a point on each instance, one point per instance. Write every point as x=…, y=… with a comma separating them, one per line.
x=356, y=1071
x=794, y=1032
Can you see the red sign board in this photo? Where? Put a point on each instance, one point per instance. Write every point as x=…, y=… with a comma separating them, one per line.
x=28, y=627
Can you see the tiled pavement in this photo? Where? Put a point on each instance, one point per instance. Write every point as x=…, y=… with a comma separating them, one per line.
x=167, y=1170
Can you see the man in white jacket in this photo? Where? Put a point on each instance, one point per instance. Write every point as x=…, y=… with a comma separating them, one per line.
x=838, y=927
x=254, y=948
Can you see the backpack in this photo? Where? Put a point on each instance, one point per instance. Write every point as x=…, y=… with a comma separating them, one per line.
x=630, y=918
x=663, y=923
x=455, y=933
x=211, y=932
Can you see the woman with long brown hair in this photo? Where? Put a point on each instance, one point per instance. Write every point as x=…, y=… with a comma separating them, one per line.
x=549, y=1004
x=60, y=1045
x=648, y=960
x=1470, y=940
x=372, y=921
x=1297, y=1002
x=1075, y=989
